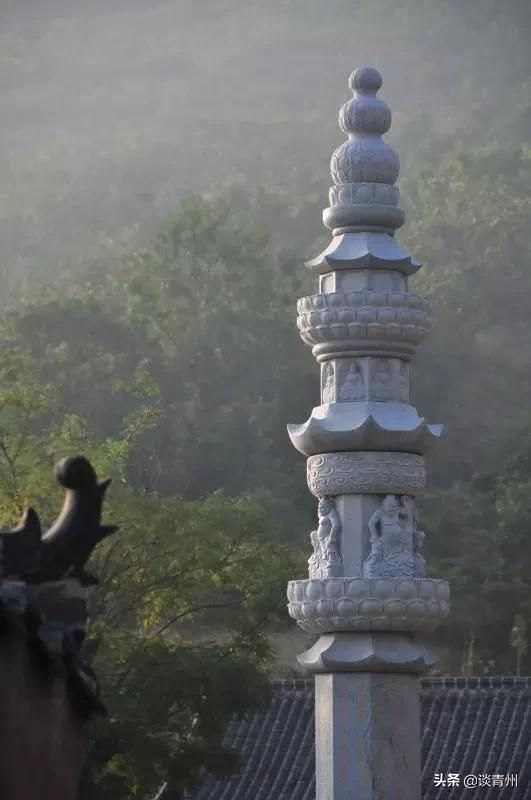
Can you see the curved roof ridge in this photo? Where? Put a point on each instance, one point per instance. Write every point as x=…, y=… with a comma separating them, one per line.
x=436, y=681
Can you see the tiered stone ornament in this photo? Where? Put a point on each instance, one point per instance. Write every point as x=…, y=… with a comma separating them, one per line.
x=367, y=591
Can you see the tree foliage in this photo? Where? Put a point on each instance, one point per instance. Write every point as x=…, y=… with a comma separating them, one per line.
x=189, y=590
x=174, y=363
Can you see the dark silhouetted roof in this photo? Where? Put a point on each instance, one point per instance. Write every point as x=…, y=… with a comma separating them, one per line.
x=470, y=726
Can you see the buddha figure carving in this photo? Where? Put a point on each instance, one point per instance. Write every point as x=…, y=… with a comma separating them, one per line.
x=352, y=387
x=382, y=380
x=329, y=390
x=404, y=383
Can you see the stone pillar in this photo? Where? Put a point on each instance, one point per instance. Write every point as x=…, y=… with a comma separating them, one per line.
x=367, y=595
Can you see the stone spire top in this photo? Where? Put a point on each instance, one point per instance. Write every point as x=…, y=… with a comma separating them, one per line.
x=364, y=168
x=365, y=113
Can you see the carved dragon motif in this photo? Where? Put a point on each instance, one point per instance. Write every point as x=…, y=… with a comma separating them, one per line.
x=66, y=547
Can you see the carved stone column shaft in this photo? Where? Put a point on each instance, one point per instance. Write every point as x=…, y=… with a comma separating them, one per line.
x=367, y=729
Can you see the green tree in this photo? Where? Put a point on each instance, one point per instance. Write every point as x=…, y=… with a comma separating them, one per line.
x=189, y=590
x=479, y=540
x=207, y=312
x=179, y=637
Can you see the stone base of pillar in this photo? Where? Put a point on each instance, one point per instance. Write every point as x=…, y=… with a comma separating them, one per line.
x=367, y=736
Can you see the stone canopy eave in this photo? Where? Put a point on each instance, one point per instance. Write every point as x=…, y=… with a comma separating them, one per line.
x=370, y=426
x=363, y=250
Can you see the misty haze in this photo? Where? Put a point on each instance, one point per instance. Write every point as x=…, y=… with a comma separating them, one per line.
x=164, y=167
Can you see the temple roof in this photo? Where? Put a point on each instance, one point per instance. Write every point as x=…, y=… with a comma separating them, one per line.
x=478, y=726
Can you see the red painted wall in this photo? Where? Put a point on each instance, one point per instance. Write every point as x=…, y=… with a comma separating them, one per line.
x=41, y=738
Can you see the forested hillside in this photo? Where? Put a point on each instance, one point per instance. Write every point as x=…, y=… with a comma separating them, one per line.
x=112, y=112
x=163, y=170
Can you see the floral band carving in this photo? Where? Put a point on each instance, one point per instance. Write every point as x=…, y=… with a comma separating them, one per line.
x=331, y=474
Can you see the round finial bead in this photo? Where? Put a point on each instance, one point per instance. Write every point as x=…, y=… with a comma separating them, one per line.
x=74, y=472
x=364, y=112
x=366, y=80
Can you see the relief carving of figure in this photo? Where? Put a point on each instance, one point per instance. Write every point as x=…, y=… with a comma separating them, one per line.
x=404, y=383
x=395, y=541
x=352, y=387
x=329, y=390
x=326, y=561
x=419, y=562
x=382, y=383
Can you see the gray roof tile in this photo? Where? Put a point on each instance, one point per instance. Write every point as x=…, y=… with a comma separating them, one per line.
x=470, y=726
